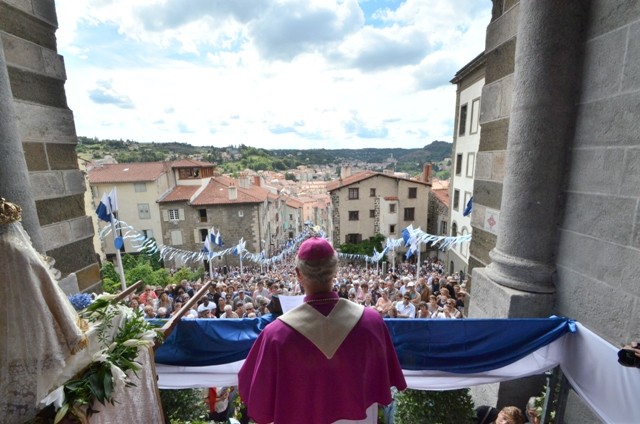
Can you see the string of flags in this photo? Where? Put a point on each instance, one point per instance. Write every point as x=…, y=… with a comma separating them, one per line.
x=411, y=239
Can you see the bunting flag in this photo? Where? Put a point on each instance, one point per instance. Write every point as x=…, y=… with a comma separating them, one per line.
x=207, y=243
x=218, y=239
x=108, y=205
x=468, y=208
x=406, y=234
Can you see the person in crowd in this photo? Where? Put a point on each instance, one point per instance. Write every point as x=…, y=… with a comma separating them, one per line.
x=149, y=312
x=446, y=312
x=260, y=290
x=206, y=305
x=384, y=303
x=532, y=412
x=368, y=301
x=134, y=303
x=423, y=311
x=162, y=313
x=486, y=414
x=146, y=294
x=241, y=298
x=228, y=312
x=510, y=415
x=433, y=305
x=176, y=308
x=165, y=302
x=249, y=309
x=343, y=292
x=275, y=383
x=406, y=309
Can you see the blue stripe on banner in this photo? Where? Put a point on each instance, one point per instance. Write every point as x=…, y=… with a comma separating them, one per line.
x=462, y=346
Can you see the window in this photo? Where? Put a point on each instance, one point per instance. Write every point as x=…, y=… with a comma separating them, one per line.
x=471, y=158
x=203, y=234
x=392, y=229
x=463, y=120
x=202, y=213
x=459, y=164
x=454, y=229
x=174, y=215
x=147, y=233
x=354, y=215
x=413, y=192
x=392, y=208
x=409, y=214
x=456, y=199
x=139, y=187
x=354, y=193
x=475, y=113
x=176, y=238
x=443, y=228
x=372, y=213
x=189, y=173
x=143, y=211
x=290, y=217
x=372, y=192
x=353, y=238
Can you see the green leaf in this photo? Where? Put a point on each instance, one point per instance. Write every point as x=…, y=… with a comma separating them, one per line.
x=97, y=389
x=108, y=384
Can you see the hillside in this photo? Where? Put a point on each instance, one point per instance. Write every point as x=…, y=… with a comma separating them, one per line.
x=235, y=158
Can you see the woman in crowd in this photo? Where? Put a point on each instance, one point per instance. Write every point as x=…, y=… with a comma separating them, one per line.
x=423, y=311
x=165, y=302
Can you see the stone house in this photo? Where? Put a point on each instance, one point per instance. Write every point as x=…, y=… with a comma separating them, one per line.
x=369, y=203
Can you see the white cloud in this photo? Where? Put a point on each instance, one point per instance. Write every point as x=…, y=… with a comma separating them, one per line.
x=279, y=73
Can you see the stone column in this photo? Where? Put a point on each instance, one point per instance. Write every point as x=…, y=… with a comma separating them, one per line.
x=14, y=175
x=548, y=59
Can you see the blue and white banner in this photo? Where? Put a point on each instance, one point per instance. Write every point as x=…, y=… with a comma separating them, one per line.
x=434, y=354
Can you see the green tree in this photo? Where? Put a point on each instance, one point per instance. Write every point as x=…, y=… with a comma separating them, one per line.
x=365, y=247
x=441, y=407
x=142, y=271
x=184, y=405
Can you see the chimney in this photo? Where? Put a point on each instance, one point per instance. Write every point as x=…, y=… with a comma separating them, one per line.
x=243, y=181
x=256, y=180
x=233, y=193
x=345, y=171
x=426, y=172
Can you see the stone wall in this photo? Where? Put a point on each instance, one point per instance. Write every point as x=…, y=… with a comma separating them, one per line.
x=46, y=130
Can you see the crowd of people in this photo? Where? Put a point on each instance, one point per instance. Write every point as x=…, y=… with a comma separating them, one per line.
x=398, y=294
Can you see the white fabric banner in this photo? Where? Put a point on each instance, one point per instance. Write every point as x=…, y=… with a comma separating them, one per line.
x=589, y=363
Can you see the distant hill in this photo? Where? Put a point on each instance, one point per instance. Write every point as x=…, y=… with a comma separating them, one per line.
x=236, y=158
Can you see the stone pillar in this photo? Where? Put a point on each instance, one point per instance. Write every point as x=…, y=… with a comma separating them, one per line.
x=518, y=282
x=14, y=175
x=546, y=76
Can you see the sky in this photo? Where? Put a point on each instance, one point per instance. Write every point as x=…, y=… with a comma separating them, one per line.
x=275, y=74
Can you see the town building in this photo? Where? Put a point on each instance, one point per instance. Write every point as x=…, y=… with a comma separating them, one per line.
x=466, y=138
x=138, y=187
x=369, y=203
x=439, y=214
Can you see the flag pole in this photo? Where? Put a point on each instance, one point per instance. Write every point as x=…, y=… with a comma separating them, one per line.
x=418, y=264
x=123, y=282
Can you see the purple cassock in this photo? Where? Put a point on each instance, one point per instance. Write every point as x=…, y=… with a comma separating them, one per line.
x=338, y=361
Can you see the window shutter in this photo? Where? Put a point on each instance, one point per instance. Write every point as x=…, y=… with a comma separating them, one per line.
x=165, y=215
x=196, y=235
x=181, y=214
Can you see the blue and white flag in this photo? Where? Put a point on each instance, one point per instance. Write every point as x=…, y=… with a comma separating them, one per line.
x=108, y=205
x=406, y=234
x=207, y=243
x=468, y=208
x=239, y=247
x=218, y=239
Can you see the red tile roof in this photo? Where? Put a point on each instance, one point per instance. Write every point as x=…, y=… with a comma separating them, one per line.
x=127, y=172
x=442, y=195
x=217, y=193
x=363, y=175
x=179, y=194
x=190, y=163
